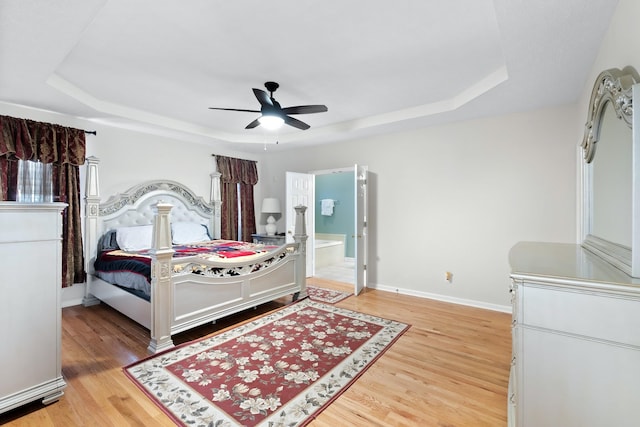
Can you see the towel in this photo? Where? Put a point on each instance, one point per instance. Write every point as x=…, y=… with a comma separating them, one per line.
x=327, y=207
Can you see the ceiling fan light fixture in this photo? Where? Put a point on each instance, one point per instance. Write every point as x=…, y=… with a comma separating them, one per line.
x=271, y=122
x=273, y=116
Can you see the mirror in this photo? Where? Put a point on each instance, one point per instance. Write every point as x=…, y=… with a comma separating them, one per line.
x=609, y=147
x=611, y=178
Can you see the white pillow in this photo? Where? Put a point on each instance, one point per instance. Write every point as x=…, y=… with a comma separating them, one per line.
x=134, y=238
x=188, y=232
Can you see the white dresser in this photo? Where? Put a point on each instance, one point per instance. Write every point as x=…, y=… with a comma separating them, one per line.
x=576, y=339
x=30, y=265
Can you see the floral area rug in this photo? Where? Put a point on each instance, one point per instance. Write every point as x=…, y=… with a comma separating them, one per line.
x=279, y=370
x=328, y=296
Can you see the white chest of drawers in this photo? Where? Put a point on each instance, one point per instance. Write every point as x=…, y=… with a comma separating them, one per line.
x=576, y=340
x=30, y=314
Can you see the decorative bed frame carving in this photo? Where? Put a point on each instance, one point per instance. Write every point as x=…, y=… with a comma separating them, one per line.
x=179, y=300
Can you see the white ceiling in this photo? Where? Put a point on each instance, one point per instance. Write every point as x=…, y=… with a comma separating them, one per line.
x=379, y=66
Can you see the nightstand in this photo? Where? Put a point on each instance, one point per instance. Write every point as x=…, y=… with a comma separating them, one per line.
x=268, y=240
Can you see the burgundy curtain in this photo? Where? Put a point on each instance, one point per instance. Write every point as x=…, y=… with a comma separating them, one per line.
x=236, y=172
x=63, y=147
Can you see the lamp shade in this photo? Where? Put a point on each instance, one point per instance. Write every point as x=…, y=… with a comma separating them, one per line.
x=270, y=205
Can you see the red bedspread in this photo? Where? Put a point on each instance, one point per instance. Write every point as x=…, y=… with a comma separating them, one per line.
x=214, y=249
x=133, y=269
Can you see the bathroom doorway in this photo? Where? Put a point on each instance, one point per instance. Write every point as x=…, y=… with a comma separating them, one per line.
x=336, y=217
x=334, y=247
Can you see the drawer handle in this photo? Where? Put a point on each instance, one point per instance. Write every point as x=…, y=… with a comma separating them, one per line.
x=512, y=398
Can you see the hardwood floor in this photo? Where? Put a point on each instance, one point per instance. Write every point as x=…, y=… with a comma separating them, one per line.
x=450, y=368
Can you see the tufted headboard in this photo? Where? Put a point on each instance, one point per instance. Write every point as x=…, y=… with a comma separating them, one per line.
x=135, y=206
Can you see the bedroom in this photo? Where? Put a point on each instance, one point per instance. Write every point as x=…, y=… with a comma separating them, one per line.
x=465, y=191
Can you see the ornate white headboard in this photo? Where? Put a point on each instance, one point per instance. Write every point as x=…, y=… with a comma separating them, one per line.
x=135, y=206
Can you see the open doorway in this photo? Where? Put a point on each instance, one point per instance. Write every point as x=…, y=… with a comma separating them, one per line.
x=334, y=246
x=301, y=190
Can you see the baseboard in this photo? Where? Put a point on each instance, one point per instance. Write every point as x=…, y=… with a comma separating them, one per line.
x=72, y=295
x=443, y=298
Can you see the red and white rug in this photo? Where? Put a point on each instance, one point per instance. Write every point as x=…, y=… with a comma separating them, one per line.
x=328, y=296
x=281, y=369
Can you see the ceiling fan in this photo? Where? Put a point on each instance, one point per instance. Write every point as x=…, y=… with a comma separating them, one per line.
x=273, y=115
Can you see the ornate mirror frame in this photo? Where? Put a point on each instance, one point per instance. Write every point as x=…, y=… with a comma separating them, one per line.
x=614, y=88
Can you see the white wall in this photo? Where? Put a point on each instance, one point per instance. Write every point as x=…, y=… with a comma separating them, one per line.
x=456, y=198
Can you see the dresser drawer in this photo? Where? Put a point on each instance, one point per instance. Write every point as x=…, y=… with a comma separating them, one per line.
x=30, y=222
x=595, y=315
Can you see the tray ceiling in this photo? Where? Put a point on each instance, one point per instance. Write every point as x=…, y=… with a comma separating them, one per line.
x=379, y=66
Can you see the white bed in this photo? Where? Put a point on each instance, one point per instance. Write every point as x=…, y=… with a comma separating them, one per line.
x=180, y=301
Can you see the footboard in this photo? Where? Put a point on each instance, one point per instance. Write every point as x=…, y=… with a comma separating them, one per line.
x=206, y=292
x=187, y=293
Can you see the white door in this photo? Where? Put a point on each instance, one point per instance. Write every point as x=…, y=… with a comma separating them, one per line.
x=361, y=175
x=300, y=189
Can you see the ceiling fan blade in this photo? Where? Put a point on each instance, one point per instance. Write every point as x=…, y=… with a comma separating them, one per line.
x=263, y=97
x=253, y=124
x=296, y=123
x=305, y=109
x=234, y=109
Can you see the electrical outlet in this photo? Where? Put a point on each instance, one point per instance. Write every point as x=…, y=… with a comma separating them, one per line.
x=448, y=276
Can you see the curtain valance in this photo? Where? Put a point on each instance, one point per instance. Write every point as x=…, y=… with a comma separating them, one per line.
x=237, y=171
x=49, y=143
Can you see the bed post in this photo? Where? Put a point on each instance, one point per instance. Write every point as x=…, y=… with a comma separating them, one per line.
x=216, y=201
x=161, y=287
x=91, y=209
x=300, y=237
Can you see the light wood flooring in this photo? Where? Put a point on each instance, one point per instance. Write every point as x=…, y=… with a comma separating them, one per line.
x=450, y=368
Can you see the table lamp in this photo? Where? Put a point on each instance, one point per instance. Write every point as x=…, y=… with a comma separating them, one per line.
x=270, y=206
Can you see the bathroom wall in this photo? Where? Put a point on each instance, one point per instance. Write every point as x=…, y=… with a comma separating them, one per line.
x=338, y=186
